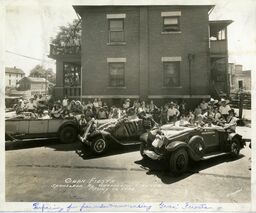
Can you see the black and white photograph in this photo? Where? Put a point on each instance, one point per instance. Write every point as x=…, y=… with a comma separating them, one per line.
x=135, y=106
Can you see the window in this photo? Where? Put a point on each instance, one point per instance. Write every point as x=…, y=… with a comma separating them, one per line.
x=116, y=74
x=171, y=21
x=9, y=75
x=240, y=84
x=171, y=76
x=171, y=24
x=116, y=30
x=10, y=82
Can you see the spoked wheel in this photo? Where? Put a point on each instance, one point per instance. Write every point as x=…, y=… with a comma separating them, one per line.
x=235, y=148
x=99, y=145
x=179, y=161
x=68, y=134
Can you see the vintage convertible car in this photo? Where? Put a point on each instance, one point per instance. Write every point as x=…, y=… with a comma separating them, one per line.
x=178, y=145
x=124, y=131
x=28, y=127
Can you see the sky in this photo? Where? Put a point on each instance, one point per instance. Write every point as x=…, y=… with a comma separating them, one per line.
x=30, y=25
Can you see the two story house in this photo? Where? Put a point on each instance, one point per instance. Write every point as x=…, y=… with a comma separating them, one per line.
x=12, y=76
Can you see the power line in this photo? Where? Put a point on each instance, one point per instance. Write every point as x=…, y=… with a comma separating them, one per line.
x=25, y=56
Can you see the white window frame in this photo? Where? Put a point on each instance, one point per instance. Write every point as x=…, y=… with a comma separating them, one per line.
x=171, y=14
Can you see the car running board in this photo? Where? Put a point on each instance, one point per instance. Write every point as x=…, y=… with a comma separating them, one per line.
x=30, y=139
x=128, y=143
x=212, y=155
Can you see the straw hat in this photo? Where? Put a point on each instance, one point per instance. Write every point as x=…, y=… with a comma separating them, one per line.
x=224, y=101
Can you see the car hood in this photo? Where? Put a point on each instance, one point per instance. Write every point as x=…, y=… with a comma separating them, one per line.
x=173, y=131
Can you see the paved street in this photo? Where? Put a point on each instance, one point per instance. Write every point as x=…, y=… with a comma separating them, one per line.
x=62, y=172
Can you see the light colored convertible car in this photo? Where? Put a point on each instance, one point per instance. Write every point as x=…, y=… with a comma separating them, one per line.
x=28, y=128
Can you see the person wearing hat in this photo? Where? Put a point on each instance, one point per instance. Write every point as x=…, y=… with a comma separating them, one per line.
x=172, y=113
x=231, y=121
x=45, y=115
x=224, y=108
x=212, y=103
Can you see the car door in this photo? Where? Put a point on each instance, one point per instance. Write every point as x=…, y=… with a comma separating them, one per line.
x=211, y=139
x=38, y=126
x=16, y=127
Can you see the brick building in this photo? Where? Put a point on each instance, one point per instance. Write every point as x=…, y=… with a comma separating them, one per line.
x=147, y=52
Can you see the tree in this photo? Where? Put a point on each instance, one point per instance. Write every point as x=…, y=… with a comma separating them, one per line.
x=40, y=72
x=69, y=35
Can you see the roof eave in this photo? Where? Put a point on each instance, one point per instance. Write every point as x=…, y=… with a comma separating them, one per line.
x=78, y=8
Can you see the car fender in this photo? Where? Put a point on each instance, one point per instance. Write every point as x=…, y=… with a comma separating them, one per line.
x=176, y=145
x=234, y=135
x=180, y=144
x=193, y=144
x=101, y=133
x=68, y=123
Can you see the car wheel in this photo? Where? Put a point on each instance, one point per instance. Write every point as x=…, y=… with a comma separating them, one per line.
x=235, y=147
x=179, y=161
x=68, y=134
x=99, y=145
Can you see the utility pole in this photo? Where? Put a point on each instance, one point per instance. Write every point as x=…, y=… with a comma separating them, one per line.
x=241, y=103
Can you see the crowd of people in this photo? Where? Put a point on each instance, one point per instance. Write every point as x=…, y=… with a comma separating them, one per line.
x=211, y=112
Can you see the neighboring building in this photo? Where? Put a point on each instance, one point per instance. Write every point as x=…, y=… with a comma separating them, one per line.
x=239, y=78
x=155, y=52
x=35, y=85
x=12, y=76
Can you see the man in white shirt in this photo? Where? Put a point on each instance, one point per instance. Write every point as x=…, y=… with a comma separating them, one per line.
x=172, y=113
x=224, y=109
x=65, y=102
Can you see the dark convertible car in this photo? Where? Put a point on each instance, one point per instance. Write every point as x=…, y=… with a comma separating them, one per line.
x=178, y=145
x=124, y=131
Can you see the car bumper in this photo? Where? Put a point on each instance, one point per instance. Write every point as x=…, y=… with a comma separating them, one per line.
x=152, y=155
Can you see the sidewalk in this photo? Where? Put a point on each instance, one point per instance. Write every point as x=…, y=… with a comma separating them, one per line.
x=246, y=132
x=246, y=113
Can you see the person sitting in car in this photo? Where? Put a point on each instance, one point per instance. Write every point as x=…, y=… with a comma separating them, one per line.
x=56, y=111
x=224, y=108
x=30, y=107
x=82, y=124
x=20, y=107
x=231, y=121
x=45, y=115
x=102, y=114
